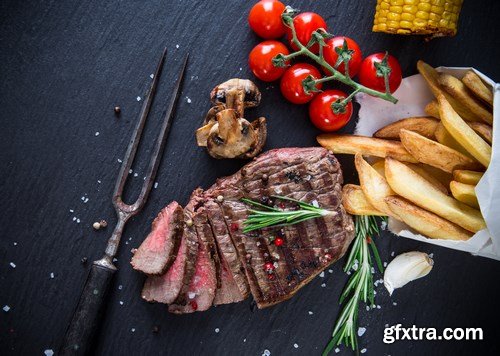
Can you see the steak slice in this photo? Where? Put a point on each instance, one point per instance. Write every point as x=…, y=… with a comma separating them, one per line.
x=201, y=290
x=233, y=286
x=166, y=288
x=311, y=175
x=157, y=253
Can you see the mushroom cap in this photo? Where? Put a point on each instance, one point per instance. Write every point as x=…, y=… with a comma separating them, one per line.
x=251, y=97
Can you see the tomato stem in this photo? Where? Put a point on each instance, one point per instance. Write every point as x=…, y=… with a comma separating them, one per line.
x=287, y=18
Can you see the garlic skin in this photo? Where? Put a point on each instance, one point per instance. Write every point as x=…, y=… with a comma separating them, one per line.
x=405, y=268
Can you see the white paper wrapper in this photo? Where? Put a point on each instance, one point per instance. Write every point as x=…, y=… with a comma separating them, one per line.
x=413, y=95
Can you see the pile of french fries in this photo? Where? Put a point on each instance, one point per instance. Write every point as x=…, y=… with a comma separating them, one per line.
x=423, y=170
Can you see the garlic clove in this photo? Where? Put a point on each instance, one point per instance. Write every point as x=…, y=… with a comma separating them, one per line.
x=405, y=268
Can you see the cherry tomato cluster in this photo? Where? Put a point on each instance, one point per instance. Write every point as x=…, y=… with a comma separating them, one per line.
x=265, y=20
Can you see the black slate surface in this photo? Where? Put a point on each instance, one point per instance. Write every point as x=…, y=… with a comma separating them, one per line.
x=64, y=65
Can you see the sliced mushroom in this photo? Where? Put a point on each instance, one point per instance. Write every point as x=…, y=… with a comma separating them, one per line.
x=260, y=128
x=231, y=136
x=236, y=94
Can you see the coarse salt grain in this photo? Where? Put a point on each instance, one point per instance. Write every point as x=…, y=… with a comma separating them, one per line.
x=330, y=271
x=337, y=350
x=361, y=331
x=310, y=312
x=394, y=303
x=77, y=221
x=6, y=308
x=15, y=243
x=138, y=98
x=52, y=275
x=217, y=330
x=71, y=211
x=133, y=330
x=156, y=185
x=322, y=274
x=267, y=352
x=121, y=303
x=188, y=100
x=83, y=198
x=323, y=285
x=74, y=218
x=392, y=253
x=151, y=75
x=135, y=174
x=177, y=46
x=379, y=307
x=191, y=295
x=13, y=265
x=363, y=351
x=385, y=264
x=119, y=160
x=97, y=133
x=431, y=255
x=130, y=171
x=120, y=287
x=49, y=352
x=296, y=346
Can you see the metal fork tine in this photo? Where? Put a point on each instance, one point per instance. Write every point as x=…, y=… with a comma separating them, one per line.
x=136, y=137
x=160, y=143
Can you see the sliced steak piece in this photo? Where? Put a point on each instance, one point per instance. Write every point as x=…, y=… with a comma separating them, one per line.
x=233, y=285
x=311, y=175
x=166, y=288
x=158, y=251
x=201, y=290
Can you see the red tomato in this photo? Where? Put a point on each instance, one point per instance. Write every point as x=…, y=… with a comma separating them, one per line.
x=305, y=24
x=321, y=112
x=369, y=76
x=260, y=60
x=265, y=19
x=331, y=56
x=291, y=83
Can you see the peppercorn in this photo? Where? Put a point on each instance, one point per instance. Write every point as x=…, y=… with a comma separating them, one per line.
x=117, y=110
x=83, y=260
x=234, y=227
x=156, y=329
x=269, y=267
x=103, y=223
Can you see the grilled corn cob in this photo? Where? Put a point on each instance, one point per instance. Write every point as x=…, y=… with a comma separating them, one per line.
x=421, y=17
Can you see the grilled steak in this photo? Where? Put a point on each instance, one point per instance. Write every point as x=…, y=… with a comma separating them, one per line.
x=312, y=175
x=159, y=249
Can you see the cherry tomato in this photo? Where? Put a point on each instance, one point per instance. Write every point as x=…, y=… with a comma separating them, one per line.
x=305, y=24
x=369, y=74
x=331, y=56
x=265, y=19
x=260, y=60
x=321, y=112
x=291, y=83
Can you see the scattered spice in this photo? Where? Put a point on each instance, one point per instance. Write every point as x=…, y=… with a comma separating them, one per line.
x=96, y=225
x=118, y=110
x=83, y=260
x=220, y=198
x=278, y=241
x=103, y=223
x=155, y=329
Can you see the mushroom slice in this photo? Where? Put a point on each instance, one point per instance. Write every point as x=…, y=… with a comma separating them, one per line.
x=236, y=94
x=203, y=132
x=213, y=112
x=260, y=127
x=231, y=137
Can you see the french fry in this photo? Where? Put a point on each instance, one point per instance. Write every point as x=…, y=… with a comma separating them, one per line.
x=379, y=166
x=483, y=130
x=432, y=109
x=435, y=154
x=416, y=189
x=444, y=138
x=355, y=202
x=368, y=146
x=374, y=186
x=425, y=222
x=464, y=193
x=467, y=177
x=477, y=87
x=466, y=136
x=425, y=126
x=458, y=91
x=431, y=76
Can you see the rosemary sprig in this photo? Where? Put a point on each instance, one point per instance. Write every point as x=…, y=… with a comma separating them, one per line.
x=345, y=55
x=274, y=217
x=359, y=287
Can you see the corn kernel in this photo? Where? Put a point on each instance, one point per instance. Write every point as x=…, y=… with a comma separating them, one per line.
x=392, y=24
x=411, y=9
x=438, y=2
x=407, y=17
x=397, y=2
x=411, y=2
x=433, y=23
x=446, y=15
x=419, y=22
x=422, y=15
x=437, y=9
x=424, y=7
x=385, y=6
x=382, y=27
x=396, y=9
x=406, y=24
x=393, y=16
x=443, y=23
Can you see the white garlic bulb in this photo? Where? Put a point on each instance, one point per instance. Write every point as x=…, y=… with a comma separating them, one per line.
x=406, y=268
